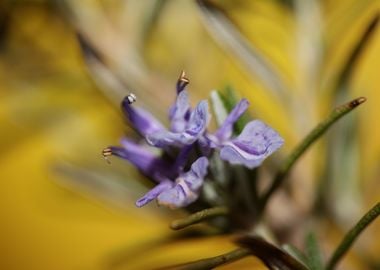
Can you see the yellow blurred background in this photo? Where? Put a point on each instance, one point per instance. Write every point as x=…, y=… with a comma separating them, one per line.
x=57, y=113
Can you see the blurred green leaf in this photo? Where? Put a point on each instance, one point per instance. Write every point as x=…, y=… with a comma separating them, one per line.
x=314, y=256
x=295, y=252
x=272, y=256
x=230, y=38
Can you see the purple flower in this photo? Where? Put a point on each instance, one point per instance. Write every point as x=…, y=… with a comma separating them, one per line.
x=255, y=143
x=183, y=131
x=180, y=145
x=186, y=126
x=183, y=191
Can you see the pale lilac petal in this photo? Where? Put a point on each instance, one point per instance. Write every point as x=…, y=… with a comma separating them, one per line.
x=195, y=128
x=179, y=113
x=256, y=142
x=141, y=120
x=140, y=157
x=154, y=192
x=187, y=186
x=164, y=138
x=198, y=171
x=199, y=120
x=225, y=130
x=176, y=197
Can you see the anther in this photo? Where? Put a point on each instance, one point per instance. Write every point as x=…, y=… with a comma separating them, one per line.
x=182, y=81
x=106, y=153
x=183, y=78
x=131, y=98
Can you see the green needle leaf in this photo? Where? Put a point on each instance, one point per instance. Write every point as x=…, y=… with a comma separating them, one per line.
x=224, y=31
x=211, y=263
x=351, y=236
x=198, y=217
x=315, y=134
x=314, y=258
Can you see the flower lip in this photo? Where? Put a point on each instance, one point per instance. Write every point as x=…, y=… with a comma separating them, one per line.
x=183, y=191
x=194, y=129
x=256, y=142
x=187, y=186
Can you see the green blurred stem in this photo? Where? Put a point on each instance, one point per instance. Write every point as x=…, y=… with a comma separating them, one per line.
x=313, y=252
x=212, y=262
x=315, y=134
x=351, y=236
x=198, y=217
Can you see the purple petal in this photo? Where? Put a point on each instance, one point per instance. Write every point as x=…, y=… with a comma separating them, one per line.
x=195, y=128
x=154, y=192
x=198, y=171
x=225, y=130
x=256, y=142
x=179, y=112
x=176, y=197
x=141, y=120
x=140, y=157
x=187, y=187
x=199, y=119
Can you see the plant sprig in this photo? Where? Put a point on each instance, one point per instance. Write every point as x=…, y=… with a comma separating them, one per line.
x=312, y=137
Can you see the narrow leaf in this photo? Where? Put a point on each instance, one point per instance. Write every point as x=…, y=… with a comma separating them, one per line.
x=198, y=217
x=295, y=252
x=224, y=31
x=352, y=235
x=272, y=256
x=211, y=263
x=314, y=257
x=313, y=136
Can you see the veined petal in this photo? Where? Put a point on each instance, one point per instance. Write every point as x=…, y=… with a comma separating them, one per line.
x=154, y=192
x=199, y=119
x=141, y=120
x=187, y=187
x=195, y=128
x=198, y=171
x=225, y=130
x=144, y=160
x=179, y=113
x=256, y=142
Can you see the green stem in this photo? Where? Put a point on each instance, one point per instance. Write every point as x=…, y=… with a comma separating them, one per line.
x=351, y=236
x=317, y=132
x=313, y=252
x=198, y=217
x=212, y=262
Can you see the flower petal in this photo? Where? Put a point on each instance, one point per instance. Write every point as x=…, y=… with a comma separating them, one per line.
x=195, y=128
x=199, y=119
x=187, y=187
x=198, y=171
x=179, y=113
x=225, y=130
x=256, y=142
x=141, y=120
x=144, y=160
x=154, y=192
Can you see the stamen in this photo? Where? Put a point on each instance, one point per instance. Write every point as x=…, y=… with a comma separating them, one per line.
x=106, y=153
x=183, y=78
x=182, y=81
x=131, y=98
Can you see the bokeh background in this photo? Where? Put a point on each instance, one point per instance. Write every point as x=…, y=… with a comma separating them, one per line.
x=65, y=65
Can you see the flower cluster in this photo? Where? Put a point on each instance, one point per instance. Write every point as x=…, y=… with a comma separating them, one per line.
x=180, y=170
